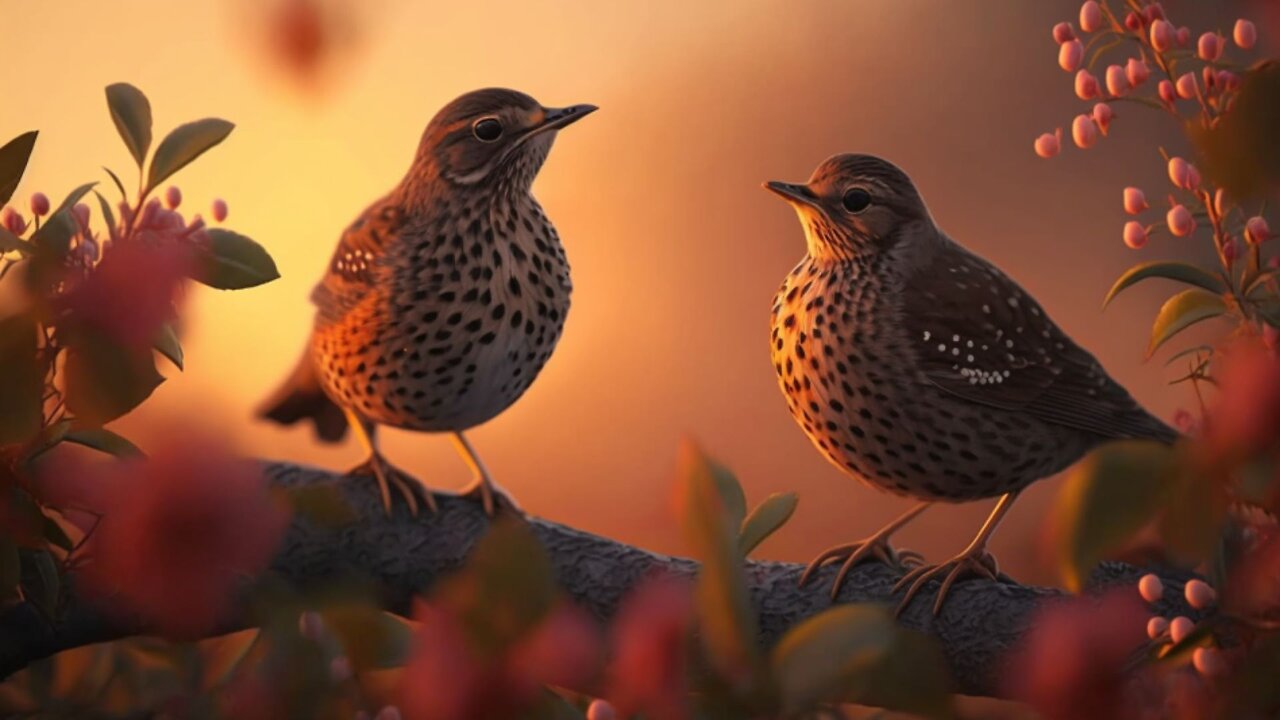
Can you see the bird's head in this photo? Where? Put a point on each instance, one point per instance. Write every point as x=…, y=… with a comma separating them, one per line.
x=493, y=136
x=855, y=205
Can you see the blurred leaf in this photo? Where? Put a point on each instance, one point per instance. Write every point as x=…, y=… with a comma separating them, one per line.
x=223, y=655
x=1194, y=515
x=103, y=440
x=24, y=520
x=824, y=657
x=1240, y=153
x=323, y=505
x=10, y=569
x=167, y=345
x=45, y=593
x=1182, y=272
x=1182, y=311
x=124, y=196
x=184, y=144
x=551, y=706
x=372, y=638
x=54, y=533
x=108, y=215
x=12, y=243
x=765, y=519
x=105, y=380
x=131, y=112
x=1111, y=495
x=50, y=436
x=232, y=261
x=13, y=162
x=913, y=677
x=727, y=621
x=21, y=380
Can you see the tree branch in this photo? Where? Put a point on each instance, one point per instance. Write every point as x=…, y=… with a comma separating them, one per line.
x=979, y=623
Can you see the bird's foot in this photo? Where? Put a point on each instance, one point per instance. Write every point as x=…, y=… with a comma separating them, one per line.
x=876, y=547
x=974, y=561
x=389, y=475
x=492, y=498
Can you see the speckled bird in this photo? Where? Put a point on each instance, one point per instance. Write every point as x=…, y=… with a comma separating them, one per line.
x=922, y=369
x=445, y=298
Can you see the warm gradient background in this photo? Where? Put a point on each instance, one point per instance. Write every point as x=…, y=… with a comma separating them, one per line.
x=675, y=249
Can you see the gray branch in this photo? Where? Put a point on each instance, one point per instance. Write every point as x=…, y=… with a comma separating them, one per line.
x=981, y=620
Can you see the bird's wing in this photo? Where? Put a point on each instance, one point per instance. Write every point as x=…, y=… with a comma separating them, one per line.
x=982, y=337
x=359, y=263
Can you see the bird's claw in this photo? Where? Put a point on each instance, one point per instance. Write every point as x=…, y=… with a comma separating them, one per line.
x=387, y=476
x=977, y=562
x=492, y=499
x=851, y=554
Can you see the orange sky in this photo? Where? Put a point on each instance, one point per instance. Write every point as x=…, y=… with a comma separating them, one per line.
x=676, y=251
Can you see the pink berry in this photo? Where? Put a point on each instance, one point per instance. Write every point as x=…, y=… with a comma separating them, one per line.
x=1183, y=36
x=1150, y=587
x=1135, y=201
x=1156, y=627
x=1090, y=16
x=219, y=210
x=1178, y=172
x=1167, y=93
x=12, y=221
x=1209, y=47
x=1180, y=221
x=601, y=710
x=173, y=197
x=81, y=213
x=1102, y=115
x=1154, y=12
x=1228, y=80
x=1071, y=55
x=1117, y=81
x=1137, y=71
x=1135, y=235
x=1062, y=33
x=1048, y=144
x=1245, y=34
x=1133, y=22
x=1208, y=662
x=1199, y=595
x=1086, y=85
x=340, y=669
x=1230, y=250
x=1162, y=35
x=1186, y=86
x=1180, y=627
x=1256, y=230
x=39, y=204
x=1084, y=132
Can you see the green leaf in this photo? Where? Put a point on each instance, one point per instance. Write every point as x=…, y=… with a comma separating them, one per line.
x=184, y=144
x=55, y=535
x=913, y=678
x=1182, y=311
x=124, y=196
x=224, y=655
x=13, y=162
x=371, y=638
x=231, y=261
x=1182, y=272
x=1239, y=152
x=765, y=519
x=131, y=112
x=105, y=381
x=103, y=440
x=10, y=569
x=1110, y=496
x=21, y=380
x=323, y=505
x=45, y=593
x=108, y=215
x=823, y=658
x=167, y=345
x=1195, y=512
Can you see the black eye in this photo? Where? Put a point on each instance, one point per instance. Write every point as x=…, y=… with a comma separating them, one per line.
x=487, y=129
x=856, y=200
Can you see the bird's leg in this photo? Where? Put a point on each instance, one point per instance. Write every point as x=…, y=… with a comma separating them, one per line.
x=974, y=560
x=877, y=546
x=386, y=474
x=482, y=484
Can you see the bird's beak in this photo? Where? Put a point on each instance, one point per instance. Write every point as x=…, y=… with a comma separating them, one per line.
x=557, y=118
x=792, y=193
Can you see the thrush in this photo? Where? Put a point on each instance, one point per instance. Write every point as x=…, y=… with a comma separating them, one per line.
x=445, y=298
x=923, y=370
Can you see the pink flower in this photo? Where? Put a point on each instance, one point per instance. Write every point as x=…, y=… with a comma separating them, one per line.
x=1135, y=235
x=172, y=197
x=219, y=210
x=1049, y=144
x=1135, y=201
x=1071, y=55
x=1102, y=115
x=130, y=294
x=1246, y=417
x=1186, y=86
x=1245, y=34
x=1209, y=47
x=1137, y=71
x=1084, y=132
x=1167, y=94
x=12, y=221
x=39, y=204
x=649, y=672
x=1181, y=224
x=1090, y=16
x=81, y=213
x=1162, y=35
x=1184, y=36
x=1256, y=230
x=1062, y=33
x=1086, y=85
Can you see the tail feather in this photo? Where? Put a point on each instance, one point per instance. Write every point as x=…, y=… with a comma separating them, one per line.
x=301, y=398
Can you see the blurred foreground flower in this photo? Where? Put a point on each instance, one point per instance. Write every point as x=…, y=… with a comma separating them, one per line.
x=650, y=639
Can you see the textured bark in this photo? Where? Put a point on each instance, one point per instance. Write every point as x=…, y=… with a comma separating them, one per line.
x=979, y=623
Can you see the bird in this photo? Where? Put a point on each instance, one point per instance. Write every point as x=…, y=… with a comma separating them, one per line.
x=445, y=298
x=923, y=370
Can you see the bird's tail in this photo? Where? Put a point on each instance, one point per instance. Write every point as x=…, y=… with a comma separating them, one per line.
x=302, y=398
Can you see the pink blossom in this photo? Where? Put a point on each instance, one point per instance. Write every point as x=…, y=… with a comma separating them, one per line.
x=219, y=210
x=1133, y=22
x=1090, y=16
x=39, y=204
x=1137, y=71
x=1062, y=33
x=1230, y=250
x=1209, y=47
x=1180, y=221
x=12, y=221
x=1135, y=201
x=1256, y=230
x=1135, y=235
x=1245, y=34
x=1150, y=588
x=1086, y=85
x=1049, y=144
x=1084, y=132
x=1071, y=55
x=1162, y=35
x=649, y=669
x=1184, y=36
x=1246, y=415
x=1102, y=115
x=1167, y=94
x=1117, y=81
x=1228, y=80
x=172, y=197
x=1186, y=86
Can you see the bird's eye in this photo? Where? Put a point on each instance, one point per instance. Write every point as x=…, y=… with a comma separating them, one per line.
x=487, y=129
x=856, y=200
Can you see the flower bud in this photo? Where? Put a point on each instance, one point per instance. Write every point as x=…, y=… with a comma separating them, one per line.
x=1086, y=85
x=1230, y=250
x=1117, y=82
x=81, y=213
x=1256, y=230
x=1154, y=11
x=1209, y=47
x=1156, y=627
x=1135, y=235
x=1183, y=36
x=1084, y=132
x=1199, y=595
x=390, y=712
x=1245, y=34
x=1180, y=627
x=1228, y=80
x=1133, y=22
x=1208, y=662
x=1135, y=201
x=1186, y=86
x=1102, y=115
x=340, y=669
x=601, y=710
x=1150, y=587
x=219, y=210
x=1180, y=221
x=311, y=625
x=39, y=204
x=1162, y=35
x=1049, y=144
x=1071, y=55
x=12, y=221
x=1091, y=16
x=173, y=197
x=1062, y=33
x=1184, y=421
x=1137, y=71
x=1178, y=172
x=1167, y=94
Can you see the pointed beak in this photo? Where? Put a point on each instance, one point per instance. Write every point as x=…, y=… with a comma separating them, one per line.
x=557, y=118
x=792, y=193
